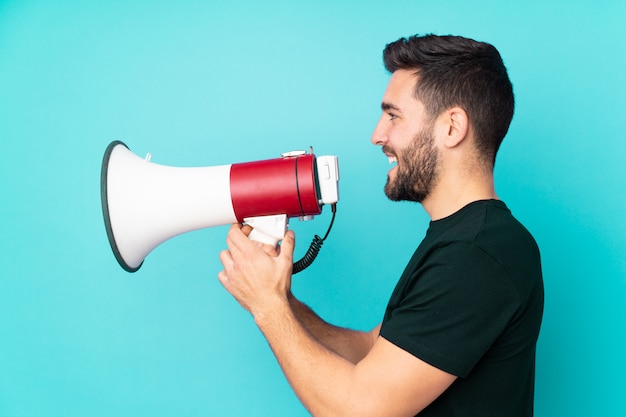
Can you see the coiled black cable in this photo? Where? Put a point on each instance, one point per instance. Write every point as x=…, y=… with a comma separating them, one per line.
x=314, y=248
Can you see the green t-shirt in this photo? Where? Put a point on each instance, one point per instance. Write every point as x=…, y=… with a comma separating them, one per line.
x=470, y=303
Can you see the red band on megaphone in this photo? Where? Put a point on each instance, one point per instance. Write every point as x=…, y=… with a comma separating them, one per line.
x=275, y=186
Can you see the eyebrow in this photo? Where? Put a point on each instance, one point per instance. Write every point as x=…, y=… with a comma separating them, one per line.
x=388, y=106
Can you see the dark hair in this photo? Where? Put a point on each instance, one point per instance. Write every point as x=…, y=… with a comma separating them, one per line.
x=456, y=71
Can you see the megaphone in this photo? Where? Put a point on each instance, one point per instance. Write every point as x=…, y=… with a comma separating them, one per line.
x=145, y=204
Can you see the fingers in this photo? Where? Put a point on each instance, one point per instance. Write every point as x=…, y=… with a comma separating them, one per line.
x=270, y=250
x=227, y=262
x=226, y=259
x=237, y=241
x=240, y=247
x=254, y=273
x=223, y=278
x=246, y=229
x=288, y=245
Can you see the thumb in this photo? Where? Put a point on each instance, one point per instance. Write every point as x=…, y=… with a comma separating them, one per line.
x=288, y=244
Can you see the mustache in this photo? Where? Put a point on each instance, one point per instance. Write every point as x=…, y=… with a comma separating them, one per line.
x=388, y=151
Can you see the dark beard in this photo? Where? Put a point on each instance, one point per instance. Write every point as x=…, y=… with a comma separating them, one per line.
x=417, y=170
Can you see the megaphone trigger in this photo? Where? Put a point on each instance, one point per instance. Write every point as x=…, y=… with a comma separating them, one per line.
x=268, y=229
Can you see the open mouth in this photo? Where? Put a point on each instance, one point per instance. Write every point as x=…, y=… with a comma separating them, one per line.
x=393, y=159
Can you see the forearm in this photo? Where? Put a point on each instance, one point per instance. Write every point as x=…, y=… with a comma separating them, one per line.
x=321, y=378
x=350, y=344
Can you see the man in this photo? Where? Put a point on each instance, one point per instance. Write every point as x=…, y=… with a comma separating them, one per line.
x=459, y=334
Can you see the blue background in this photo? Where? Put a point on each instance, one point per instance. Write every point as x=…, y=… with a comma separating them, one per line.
x=201, y=83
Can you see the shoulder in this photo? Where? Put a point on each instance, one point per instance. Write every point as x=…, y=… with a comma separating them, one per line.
x=463, y=270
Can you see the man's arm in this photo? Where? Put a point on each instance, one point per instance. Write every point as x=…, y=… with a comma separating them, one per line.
x=351, y=344
x=387, y=381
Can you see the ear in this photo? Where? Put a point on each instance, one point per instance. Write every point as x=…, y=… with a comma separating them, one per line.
x=456, y=126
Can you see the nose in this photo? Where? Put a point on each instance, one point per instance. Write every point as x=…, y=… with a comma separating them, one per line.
x=379, y=135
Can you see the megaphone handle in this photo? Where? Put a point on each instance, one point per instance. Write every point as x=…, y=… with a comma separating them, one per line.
x=268, y=229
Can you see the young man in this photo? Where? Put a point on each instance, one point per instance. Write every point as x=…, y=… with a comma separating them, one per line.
x=460, y=330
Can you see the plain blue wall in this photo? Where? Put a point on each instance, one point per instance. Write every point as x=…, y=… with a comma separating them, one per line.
x=204, y=83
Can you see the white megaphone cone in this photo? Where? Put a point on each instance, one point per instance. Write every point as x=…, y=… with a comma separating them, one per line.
x=145, y=204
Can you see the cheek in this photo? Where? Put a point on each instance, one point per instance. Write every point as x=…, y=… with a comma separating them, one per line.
x=402, y=139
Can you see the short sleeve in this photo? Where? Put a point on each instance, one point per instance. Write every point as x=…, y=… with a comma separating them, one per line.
x=451, y=308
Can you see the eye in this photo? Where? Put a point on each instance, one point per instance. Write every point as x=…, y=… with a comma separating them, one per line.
x=392, y=116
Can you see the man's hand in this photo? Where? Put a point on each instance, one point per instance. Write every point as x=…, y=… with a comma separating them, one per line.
x=257, y=275
x=269, y=249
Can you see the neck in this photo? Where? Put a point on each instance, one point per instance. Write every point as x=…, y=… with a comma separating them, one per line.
x=452, y=193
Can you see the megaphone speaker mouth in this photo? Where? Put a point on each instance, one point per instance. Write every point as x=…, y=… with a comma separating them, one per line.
x=104, y=174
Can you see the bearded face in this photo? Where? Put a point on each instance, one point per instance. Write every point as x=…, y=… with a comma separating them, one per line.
x=417, y=169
